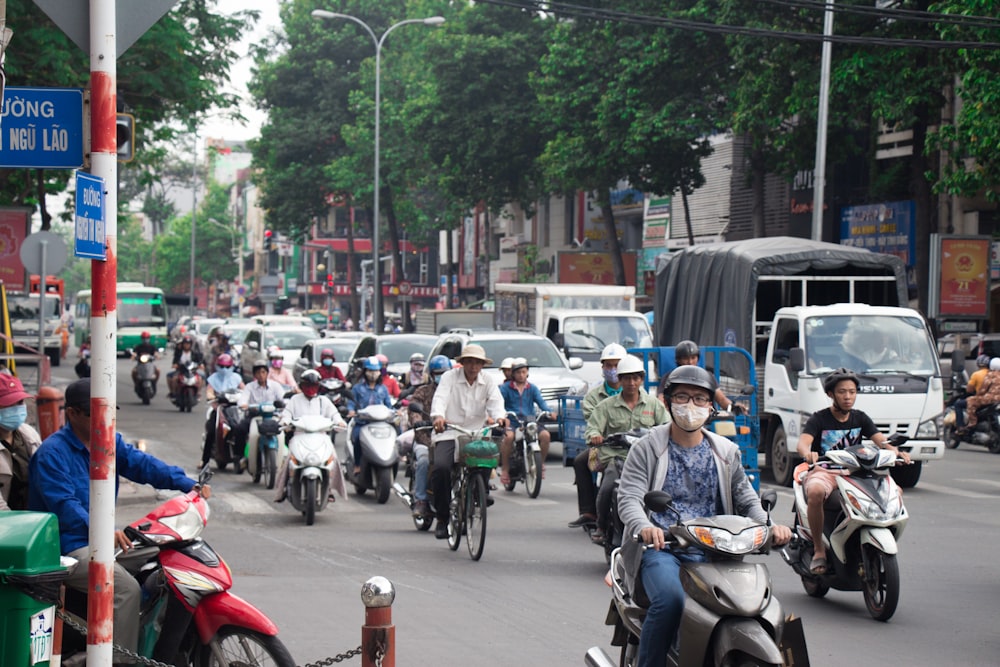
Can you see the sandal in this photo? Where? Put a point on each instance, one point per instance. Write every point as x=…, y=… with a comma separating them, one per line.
x=818, y=565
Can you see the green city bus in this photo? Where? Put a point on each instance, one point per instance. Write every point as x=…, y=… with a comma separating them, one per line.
x=140, y=308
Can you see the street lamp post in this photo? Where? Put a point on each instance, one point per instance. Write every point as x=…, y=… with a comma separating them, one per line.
x=376, y=269
x=238, y=256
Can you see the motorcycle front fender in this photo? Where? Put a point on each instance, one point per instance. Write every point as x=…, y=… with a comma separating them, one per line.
x=747, y=636
x=880, y=538
x=216, y=611
x=534, y=446
x=311, y=472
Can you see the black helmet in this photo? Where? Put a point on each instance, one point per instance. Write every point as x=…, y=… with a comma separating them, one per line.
x=692, y=375
x=831, y=380
x=684, y=350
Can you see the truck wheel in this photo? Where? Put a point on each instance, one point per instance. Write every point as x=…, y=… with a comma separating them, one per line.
x=907, y=476
x=782, y=461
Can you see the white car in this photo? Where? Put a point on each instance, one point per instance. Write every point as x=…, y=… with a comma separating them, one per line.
x=288, y=339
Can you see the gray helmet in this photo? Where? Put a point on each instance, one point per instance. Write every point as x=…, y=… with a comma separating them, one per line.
x=259, y=363
x=983, y=361
x=685, y=349
x=839, y=375
x=693, y=375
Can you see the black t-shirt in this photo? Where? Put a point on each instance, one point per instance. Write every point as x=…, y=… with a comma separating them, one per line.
x=829, y=433
x=145, y=348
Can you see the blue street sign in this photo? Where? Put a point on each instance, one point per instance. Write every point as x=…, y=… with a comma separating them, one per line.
x=42, y=128
x=91, y=234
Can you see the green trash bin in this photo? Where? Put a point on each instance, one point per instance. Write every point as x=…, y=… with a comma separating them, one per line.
x=30, y=576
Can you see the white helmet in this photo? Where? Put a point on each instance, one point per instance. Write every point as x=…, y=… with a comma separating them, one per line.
x=612, y=352
x=630, y=364
x=507, y=363
x=995, y=364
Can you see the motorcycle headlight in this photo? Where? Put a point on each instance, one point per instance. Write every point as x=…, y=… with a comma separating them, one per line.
x=870, y=510
x=927, y=430
x=531, y=429
x=743, y=542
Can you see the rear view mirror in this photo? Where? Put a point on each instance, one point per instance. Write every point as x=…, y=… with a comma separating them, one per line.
x=797, y=359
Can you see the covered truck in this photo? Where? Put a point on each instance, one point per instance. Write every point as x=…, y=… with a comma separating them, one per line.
x=803, y=308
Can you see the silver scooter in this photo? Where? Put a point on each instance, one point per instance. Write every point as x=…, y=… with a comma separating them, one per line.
x=730, y=615
x=313, y=469
x=379, y=457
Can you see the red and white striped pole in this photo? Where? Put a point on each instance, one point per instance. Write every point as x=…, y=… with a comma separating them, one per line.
x=103, y=326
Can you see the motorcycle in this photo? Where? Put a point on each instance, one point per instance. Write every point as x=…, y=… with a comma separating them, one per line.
x=610, y=524
x=730, y=615
x=525, y=463
x=145, y=378
x=379, y=458
x=313, y=468
x=405, y=443
x=986, y=432
x=227, y=415
x=335, y=390
x=863, y=519
x=82, y=367
x=188, y=616
x=266, y=443
x=187, y=384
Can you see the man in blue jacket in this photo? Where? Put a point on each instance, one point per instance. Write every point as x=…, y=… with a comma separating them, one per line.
x=60, y=483
x=521, y=397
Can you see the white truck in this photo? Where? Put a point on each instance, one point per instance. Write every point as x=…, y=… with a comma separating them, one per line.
x=581, y=319
x=435, y=322
x=803, y=308
x=24, y=322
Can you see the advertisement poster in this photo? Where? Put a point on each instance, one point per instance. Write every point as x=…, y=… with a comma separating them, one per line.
x=594, y=267
x=13, y=229
x=965, y=277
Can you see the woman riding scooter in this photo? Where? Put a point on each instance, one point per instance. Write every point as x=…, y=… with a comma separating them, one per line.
x=369, y=392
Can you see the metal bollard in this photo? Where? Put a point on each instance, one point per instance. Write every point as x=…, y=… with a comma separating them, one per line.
x=378, y=634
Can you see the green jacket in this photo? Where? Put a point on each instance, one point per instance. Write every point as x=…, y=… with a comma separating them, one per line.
x=612, y=415
x=593, y=397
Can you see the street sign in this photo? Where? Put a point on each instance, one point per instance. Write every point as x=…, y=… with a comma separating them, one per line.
x=405, y=287
x=132, y=19
x=55, y=253
x=91, y=234
x=42, y=128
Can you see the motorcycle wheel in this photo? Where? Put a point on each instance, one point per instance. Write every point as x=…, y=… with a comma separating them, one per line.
x=515, y=466
x=814, y=587
x=533, y=474
x=383, y=485
x=455, y=522
x=258, y=470
x=271, y=468
x=310, y=497
x=881, y=585
x=951, y=441
x=475, y=517
x=241, y=646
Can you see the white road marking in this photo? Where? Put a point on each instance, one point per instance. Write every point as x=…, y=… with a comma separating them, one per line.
x=956, y=492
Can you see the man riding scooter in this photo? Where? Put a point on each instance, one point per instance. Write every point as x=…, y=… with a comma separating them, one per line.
x=261, y=390
x=369, y=392
x=183, y=355
x=145, y=347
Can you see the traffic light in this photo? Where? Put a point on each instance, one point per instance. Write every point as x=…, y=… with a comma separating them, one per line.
x=125, y=131
x=329, y=283
x=268, y=240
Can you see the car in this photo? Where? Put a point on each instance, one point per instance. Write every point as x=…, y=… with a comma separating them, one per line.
x=300, y=320
x=181, y=326
x=288, y=338
x=549, y=370
x=200, y=330
x=399, y=347
x=345, y=348
x=237, y=332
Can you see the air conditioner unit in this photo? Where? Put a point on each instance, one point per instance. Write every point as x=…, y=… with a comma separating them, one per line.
x=510, y=243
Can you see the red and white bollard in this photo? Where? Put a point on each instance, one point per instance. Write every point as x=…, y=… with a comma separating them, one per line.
x=378, y=634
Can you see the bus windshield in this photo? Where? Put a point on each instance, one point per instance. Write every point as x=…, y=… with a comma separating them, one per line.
x=136, y=310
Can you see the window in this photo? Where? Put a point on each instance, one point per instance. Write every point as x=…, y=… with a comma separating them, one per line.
x=786, y=336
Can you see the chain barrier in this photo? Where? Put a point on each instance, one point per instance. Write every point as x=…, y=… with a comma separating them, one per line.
x=340, y=657
x=82, y=629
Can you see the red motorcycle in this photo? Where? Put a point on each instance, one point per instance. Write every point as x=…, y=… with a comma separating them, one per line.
x=188, y=615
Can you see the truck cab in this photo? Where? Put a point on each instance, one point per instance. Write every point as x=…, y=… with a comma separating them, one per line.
x=892, y=352
x=25, y=319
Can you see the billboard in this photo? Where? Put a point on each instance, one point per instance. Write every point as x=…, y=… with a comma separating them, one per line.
x=13, y=229
x=960, y=276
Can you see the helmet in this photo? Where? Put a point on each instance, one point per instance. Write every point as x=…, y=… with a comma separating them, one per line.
x=506, y=363
x=629, y=365
x=144, y=335
x=382, y=359
x=328, y=353
x=259, y=363
x=309, y=377
x=518, y=363
x=274, y=353
x=995, y=364
x=187, y=339
x=695, y=376
x=220, y=332
x=225, y=361
x=612, y=352
x=684, y=350
x=983, y=360
x=438, y=364
x=372, y=364
x=831, y=380
x=416, y=356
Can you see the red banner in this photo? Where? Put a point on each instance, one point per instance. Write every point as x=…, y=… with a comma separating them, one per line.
x=13, y=228
x=965, y=277
x=593, y=267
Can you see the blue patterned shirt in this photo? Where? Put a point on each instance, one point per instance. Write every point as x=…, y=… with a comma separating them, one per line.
x=692, y=481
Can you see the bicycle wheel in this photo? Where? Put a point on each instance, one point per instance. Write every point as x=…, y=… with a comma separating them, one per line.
x=475, y=516
x=456, y=523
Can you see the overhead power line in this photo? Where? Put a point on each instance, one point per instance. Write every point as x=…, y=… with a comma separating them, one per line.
x=593, y=13
x=893, y=14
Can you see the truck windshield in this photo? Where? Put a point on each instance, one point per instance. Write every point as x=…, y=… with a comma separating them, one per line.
x=869, y=344
x=26, y=307
x=586, y=335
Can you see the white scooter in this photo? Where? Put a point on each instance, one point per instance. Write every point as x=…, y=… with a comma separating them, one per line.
x=379, y=457
x=863, y=519
x=266, y=449
x=313, y=468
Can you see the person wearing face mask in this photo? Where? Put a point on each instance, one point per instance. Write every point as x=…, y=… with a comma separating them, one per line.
x=629, y=409
x=224, y=379
x=586, y=490
x=18, y=442
x=424, y=396
x=391, y=384
x=369, y=392
x=326, y=368
x=309, y=402
x=416, y=375
x=703, y=472
x=277, y=371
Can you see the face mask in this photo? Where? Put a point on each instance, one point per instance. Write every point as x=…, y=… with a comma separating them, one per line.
x=12, y=417
x=225, y=370
x=373, y=376
x=328, y=362
x=276, y=363
x=310, y=390
x=611, y=375
x=437, y=378
x=690, y=417
x=211, y=341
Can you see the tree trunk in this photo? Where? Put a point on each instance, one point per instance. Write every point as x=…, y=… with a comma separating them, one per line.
x=687, y=215
x=40, y=193
x=397, y=257
x=923, y=195
x=611, y=228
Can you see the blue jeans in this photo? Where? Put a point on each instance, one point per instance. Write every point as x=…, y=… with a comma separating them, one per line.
x=423, y=464
x=660, y=573
x=960, y=407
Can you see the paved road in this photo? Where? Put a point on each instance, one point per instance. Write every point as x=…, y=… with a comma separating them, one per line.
x=537, y=597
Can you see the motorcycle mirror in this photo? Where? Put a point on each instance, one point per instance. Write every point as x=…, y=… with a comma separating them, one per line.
x=747, y=390
x=416, y=406
x=657, y=501
x=768, y=499
x=279, y=404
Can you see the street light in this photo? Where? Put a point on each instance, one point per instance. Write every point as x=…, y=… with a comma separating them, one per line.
x=238, y=256
x=377, y=278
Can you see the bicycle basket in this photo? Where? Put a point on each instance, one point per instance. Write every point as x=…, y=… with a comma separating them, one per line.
x=477, y=452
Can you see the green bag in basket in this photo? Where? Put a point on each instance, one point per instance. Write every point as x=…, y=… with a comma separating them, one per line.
x=480, y=454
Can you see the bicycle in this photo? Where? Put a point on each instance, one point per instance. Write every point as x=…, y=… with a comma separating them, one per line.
x=477, y=453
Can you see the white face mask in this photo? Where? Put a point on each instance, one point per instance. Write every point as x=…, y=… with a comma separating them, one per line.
x=690, y=417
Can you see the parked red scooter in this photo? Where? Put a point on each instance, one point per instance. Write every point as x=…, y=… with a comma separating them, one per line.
x=188, y=615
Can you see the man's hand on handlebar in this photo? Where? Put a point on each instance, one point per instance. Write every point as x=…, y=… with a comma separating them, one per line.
x=502, y=422
x=653, y=537
x=121, y=541
x=439, y=424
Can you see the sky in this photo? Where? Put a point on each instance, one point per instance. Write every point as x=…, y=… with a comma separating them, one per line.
x=240, y=74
